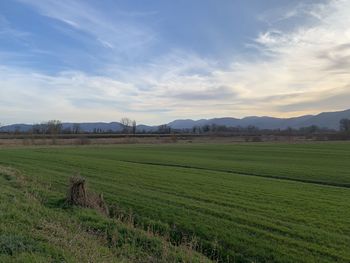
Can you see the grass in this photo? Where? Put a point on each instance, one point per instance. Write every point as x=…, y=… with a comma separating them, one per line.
x=36, y=226
x=232, y=203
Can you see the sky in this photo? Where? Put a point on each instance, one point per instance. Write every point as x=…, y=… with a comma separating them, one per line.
x=159, y=60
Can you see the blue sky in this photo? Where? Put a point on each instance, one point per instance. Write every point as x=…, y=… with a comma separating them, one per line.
x=156, y=61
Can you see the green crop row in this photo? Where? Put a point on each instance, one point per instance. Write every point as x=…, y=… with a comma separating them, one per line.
x=240, y=202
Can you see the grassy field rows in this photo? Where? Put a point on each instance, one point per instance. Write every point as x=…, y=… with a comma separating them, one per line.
x=33, y=229
x=302, y=161
x=202, y=191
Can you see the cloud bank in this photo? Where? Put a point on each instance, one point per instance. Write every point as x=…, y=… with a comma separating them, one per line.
x=300, y=70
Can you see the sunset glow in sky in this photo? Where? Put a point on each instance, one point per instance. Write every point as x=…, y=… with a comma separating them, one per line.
x=156, y=61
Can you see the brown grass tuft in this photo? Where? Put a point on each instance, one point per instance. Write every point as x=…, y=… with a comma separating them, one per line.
x=79, y=195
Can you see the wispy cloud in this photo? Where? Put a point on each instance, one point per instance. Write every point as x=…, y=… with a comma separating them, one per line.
x=65, y=96
x=311, y=60
x=115, y=32
x=299, y=66
x=299, y=70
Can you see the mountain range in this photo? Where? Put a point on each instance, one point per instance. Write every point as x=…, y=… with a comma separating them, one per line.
x=328, y=120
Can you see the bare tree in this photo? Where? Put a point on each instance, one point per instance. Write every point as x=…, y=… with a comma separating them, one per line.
x=43, y=127
x=36, y=129
x=164, y=129
x=134, y=126
x=76, y=128
x=54, y=127
x=126, y=125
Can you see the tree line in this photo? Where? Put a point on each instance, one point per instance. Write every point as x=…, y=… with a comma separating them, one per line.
x=129, y=126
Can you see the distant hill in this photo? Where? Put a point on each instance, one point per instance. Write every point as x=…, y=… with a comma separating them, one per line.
x=84, y=126
x=328, y=120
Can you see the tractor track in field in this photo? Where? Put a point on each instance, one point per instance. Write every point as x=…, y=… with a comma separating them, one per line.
x=244, y=174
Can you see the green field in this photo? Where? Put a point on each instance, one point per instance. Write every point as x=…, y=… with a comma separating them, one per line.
x=265, y=202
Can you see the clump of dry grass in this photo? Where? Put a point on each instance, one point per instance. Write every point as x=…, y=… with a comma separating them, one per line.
x=78, y=195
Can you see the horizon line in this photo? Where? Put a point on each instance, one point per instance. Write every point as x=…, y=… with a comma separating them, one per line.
x=108, y=122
